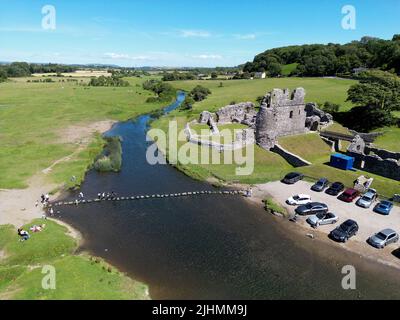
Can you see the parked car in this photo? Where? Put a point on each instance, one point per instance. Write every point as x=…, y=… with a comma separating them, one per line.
x=292, y=178
x=349, y=195
x=345, y=231
x=384, y=238
x=335, y=189
x=320, y=185
x=311, y=209
x=367, y=199
x=299, y=199
x=384, y=207
x=322, y=219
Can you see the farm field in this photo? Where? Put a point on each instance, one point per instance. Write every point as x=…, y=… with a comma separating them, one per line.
x=40, y=124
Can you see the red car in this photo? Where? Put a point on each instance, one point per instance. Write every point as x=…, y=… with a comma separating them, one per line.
x=349, y=195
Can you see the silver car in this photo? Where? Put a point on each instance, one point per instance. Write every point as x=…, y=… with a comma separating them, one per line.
x=367, y=199
x=383, y=238
x=322, y=219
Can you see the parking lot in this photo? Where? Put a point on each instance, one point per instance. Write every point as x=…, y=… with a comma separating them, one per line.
x=369, y=221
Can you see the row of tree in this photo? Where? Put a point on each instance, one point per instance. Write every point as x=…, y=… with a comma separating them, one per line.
x=24, y=69
x=331, y=59
x=112, y=81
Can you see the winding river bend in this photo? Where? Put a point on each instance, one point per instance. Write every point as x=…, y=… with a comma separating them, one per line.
x=208, y=247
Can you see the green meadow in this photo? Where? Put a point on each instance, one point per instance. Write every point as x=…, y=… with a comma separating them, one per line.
x=33, y=116
x=79, y=277
x=318, y=90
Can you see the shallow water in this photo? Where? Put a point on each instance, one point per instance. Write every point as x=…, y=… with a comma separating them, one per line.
x=208, y=247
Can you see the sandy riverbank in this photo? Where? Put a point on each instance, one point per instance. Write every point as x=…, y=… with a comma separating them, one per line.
x=17, y=206
x=369, y=224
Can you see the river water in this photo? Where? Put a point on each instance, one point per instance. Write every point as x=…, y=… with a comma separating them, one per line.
x=208, y=247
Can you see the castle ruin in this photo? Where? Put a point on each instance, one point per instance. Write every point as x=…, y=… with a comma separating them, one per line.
x=281, y=114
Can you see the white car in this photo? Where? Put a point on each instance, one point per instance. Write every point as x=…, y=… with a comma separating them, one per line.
x=299, y=200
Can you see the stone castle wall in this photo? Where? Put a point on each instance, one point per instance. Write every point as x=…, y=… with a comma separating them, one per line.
x=281, y=114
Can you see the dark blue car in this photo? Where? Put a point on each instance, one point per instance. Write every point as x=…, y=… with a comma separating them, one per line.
x=384, y=207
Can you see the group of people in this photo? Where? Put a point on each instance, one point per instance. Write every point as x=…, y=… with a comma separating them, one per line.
x=25, y=236
x=45, y=198
x=107, y=196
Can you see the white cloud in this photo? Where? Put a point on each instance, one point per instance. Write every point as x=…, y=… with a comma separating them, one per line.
x=208, y=56
x=250, y=36
x=123, y=56
x=194, y=34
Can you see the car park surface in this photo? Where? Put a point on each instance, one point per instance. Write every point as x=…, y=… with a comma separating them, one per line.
x=369, y=221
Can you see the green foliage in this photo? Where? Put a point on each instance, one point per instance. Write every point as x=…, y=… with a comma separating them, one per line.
x=111, y=158
x=173, y=76
x=377, y=88
x=112, y=81
x=330, y=107
x=271, y=205
x=199, y=93
x=331, y=59
x=163, y=91
x=376, y=96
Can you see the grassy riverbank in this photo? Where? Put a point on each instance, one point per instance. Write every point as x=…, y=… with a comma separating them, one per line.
x=41, y=123
x=77, y=276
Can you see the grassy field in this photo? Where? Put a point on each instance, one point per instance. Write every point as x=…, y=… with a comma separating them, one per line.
x=390, y=139
x=32, y=116
x=289, y=68
x=77, y=276
x=308, y=146
x=318, y=90
x=268, y=166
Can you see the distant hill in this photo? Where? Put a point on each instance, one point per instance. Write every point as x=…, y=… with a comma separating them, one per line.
x=329, y=59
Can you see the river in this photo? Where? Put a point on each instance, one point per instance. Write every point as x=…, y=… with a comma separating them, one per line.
x=208, y=247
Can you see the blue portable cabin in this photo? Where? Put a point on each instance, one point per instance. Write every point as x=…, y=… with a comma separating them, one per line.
x=342, y=161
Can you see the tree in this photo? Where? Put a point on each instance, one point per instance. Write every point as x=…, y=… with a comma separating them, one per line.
x=377, y=88
x=214, y=75
x=199, y=93
x=330, y=107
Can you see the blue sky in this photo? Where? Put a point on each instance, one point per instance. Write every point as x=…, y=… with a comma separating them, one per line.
x=181, y=32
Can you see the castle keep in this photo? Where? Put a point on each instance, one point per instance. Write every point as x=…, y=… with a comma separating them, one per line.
x=281, y=114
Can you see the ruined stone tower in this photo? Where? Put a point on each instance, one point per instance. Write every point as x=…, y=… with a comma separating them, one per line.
x=280, y=114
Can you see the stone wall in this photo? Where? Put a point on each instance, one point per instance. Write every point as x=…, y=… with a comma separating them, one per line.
x=291, y=158
x=240, y=113
x=378, y=161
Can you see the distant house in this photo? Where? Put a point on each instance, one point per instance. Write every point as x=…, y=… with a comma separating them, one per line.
x=260, y=75
x=357, y=71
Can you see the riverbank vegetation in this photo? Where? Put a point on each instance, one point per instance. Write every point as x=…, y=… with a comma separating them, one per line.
x=273, y=207
x=77, y=276
x=111, y=158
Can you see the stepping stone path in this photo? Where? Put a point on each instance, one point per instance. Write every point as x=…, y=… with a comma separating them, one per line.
x=154, y=196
